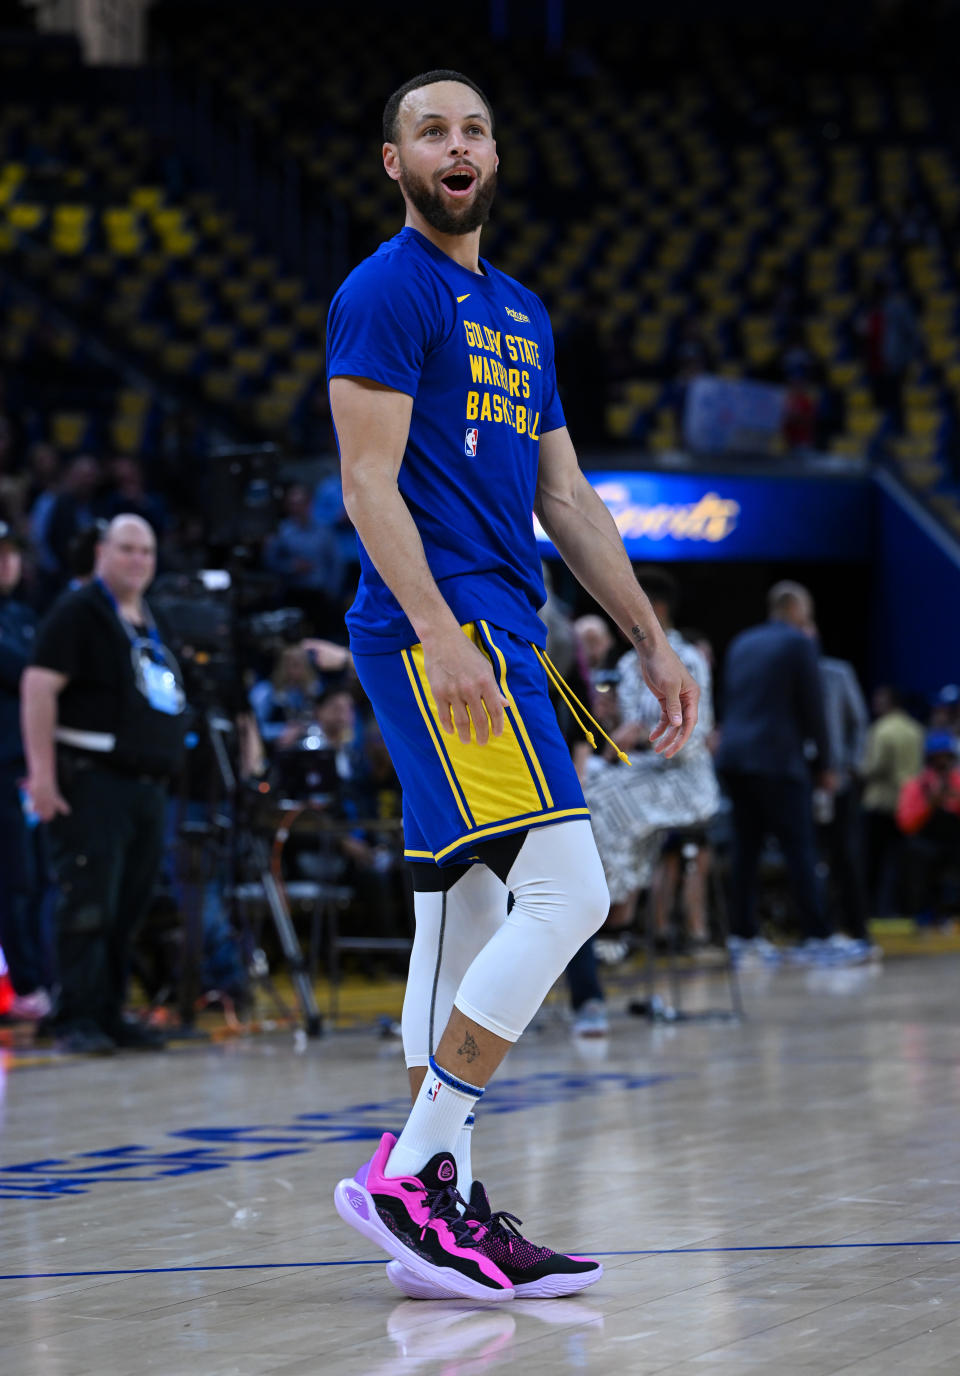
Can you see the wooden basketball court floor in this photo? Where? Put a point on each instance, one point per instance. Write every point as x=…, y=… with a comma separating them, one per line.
x=776, y=1197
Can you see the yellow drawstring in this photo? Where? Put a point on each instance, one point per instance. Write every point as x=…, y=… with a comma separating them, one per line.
x=570, y=698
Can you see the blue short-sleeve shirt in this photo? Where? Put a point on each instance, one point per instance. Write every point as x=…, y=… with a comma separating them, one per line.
x=475, y=352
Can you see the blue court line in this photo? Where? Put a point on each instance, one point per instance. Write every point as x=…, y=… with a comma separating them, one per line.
x=379, y=1261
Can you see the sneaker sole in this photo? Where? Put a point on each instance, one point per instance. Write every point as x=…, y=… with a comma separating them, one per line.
x=548, y=1287
x=355, y=1205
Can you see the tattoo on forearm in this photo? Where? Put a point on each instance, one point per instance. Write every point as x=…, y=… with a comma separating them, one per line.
x=469, y=1048
x=638, y=634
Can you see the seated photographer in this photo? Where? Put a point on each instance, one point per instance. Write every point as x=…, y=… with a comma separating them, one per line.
x=103, y=729
x=284, y=703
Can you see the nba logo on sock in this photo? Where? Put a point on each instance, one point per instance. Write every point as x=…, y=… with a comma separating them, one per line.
x=470, y=443
x=432, y=1093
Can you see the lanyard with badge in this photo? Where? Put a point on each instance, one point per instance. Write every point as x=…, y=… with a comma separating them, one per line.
x=154, y=668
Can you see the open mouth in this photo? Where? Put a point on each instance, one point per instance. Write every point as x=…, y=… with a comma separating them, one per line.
x=459, y=183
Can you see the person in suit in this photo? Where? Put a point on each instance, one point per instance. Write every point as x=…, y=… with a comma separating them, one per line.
x=773, y=707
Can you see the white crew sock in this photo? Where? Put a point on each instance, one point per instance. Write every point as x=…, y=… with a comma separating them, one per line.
x=464, y=1159
x=435, y=1123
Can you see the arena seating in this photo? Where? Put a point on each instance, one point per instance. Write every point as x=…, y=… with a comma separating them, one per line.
x=695, y=192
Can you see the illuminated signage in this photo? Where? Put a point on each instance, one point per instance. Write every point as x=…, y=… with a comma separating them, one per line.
x=704, y=516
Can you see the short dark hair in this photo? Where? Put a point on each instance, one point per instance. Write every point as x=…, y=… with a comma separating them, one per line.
x=391, y=111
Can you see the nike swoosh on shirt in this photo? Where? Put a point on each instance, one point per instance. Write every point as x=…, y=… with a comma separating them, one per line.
x=462, y=298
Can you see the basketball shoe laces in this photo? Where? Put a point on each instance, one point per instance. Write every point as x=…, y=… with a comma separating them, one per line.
x=501, y=1225
x=443, y=1206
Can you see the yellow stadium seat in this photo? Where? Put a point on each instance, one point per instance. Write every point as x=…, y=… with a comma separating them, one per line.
x=178, y=357
x=192, y=311
x=126, y=433
x=26, y=216
x=218, y=338
x=923, y=422
x=147, y=336
x=210, y=265
x=220, y=384
x=147, y=197
x=288, y=384
x=68, y=428
x=621, y=417
x=278, y=338
x=131, y=402
x=273, y=412
x=253, y=314
x=859, y=399
x=863, y=425
x=308, y=361
x=249, y=360
x=287, y=290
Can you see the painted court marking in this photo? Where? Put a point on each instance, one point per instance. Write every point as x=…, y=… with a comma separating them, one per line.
x=217, y=1147
x=313, y=1265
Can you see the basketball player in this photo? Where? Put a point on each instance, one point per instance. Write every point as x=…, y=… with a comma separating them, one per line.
x=451, y=434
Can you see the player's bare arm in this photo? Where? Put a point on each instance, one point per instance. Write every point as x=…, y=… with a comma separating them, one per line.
x=372, y=423
x=589, y=543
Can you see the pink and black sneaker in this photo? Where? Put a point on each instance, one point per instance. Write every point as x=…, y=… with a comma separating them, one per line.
x=415, y=1219
x=534, y=1272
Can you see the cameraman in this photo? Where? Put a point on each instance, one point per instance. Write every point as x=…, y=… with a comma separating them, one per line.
x=103, y=729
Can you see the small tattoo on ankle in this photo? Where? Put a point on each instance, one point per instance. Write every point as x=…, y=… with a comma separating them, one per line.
x=469, y=1048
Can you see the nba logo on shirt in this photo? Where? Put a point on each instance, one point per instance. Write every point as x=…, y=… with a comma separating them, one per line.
x=435, y=1090
x=470, y=443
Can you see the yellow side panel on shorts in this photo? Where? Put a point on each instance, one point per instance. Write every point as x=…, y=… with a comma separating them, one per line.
x=495, y=777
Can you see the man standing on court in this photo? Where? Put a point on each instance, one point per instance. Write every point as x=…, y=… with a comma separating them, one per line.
x=451, y=434
x=103, y=730
x=773, y=706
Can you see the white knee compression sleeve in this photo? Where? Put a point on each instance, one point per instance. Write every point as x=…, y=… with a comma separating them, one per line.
x=560, y=899
x=452, y=928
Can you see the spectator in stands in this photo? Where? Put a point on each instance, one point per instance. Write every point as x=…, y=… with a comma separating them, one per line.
x=840, y=826
x=891, y=342
x=77, y=507
x=42, y=485
x=305, y=554
x=20, y=928
x=945, y=712
x=893, y=754
x=799, y=412
x=928, y=813
x=773, y=705
x=128, y=493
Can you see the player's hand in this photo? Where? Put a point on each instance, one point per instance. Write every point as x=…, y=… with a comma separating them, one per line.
x=677, y=693
x=464, y=688
x=46, y=799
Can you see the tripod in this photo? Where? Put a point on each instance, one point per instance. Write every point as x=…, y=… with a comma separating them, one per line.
x=229, y=829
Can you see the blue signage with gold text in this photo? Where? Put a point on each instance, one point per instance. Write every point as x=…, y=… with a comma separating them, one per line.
x=708, y=516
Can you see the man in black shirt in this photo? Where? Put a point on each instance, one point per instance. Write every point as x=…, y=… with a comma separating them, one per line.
x=103, y=730
x=20, y=934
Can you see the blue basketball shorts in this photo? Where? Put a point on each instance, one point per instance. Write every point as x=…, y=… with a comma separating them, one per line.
x=455, y=794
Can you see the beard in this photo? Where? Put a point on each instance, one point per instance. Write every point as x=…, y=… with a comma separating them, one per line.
x=445, y=218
